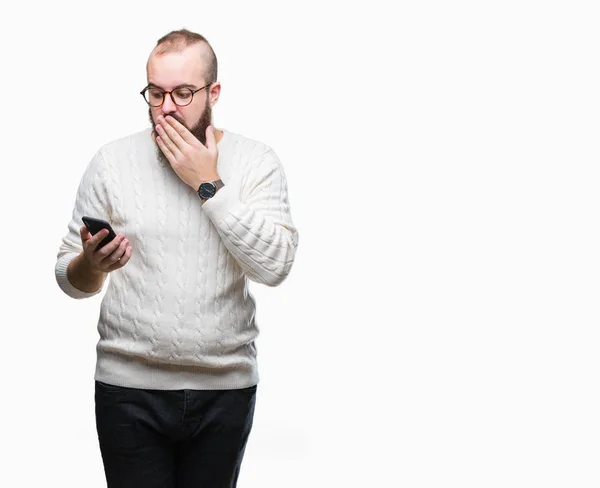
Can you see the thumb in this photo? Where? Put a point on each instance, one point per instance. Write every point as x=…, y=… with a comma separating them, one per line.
x=85, y=233
x=211, y=142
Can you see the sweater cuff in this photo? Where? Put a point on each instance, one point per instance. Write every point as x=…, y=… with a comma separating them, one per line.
x=63, y=281
x=218, y=207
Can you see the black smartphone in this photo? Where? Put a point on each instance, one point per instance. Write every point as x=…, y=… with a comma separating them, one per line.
x=96, y=225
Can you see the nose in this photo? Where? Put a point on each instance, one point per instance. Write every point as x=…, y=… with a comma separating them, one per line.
x=168, y=106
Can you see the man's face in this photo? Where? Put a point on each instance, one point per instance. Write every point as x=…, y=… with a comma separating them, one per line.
x=167, y=71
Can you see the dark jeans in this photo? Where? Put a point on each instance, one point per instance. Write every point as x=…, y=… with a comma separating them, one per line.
x=173, y=438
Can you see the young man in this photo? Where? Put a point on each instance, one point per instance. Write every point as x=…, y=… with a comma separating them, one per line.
x=197, y=212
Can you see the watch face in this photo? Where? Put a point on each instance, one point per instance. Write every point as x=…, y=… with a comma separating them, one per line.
x=207, y=190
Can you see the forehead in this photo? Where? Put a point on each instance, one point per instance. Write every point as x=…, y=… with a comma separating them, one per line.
x=177, y=67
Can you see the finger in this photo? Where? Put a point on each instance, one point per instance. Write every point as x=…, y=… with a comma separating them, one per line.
x=168, y=142
x=118, y=251
x=97, y=237
x=183, y=132
x=211, y=142
x=168, y=154
x=175, y=135
x=121, y=262
x=107, y=249
x=84, y=233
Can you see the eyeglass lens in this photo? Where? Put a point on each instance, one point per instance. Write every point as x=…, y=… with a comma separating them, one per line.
x=155, y=96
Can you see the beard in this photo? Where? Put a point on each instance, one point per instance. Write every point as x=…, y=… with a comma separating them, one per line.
x=198, y=130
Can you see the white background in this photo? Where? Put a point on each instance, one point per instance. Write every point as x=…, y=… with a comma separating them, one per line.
x=440, y=325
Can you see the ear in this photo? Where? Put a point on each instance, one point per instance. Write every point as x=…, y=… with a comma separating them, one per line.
x=215, y=92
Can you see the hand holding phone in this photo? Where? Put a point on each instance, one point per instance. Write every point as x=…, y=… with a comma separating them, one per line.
x=96, y=225
x=104, y=251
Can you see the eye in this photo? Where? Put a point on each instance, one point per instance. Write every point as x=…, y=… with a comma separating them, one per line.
x=183, y=93
x=156, y=94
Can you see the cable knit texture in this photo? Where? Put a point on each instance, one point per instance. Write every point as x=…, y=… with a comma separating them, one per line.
x=179, y=314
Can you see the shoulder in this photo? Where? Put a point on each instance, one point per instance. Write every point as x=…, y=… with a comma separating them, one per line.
x=246, y=147
x=251, y=159
x=133, y=143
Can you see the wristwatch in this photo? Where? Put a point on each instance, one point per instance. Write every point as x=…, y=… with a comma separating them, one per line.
x=207, y=190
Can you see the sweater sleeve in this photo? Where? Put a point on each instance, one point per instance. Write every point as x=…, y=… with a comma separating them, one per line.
x=255, y=223
x=91, y=200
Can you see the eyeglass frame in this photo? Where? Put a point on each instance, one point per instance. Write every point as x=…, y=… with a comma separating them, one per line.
x=164, y=92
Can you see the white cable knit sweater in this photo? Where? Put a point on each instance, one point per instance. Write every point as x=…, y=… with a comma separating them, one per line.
x=179, y=314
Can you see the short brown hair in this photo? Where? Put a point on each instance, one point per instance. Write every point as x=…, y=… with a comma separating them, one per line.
x=178, y=40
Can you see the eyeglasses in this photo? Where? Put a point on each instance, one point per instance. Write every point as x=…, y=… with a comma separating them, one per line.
x=181, y=97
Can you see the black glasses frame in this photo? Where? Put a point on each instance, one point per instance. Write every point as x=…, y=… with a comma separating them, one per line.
x=143, y=94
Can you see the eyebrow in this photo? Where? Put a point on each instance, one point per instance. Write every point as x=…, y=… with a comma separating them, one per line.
x=182, y=85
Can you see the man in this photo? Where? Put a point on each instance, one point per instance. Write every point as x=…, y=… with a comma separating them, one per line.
x=197, y=212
